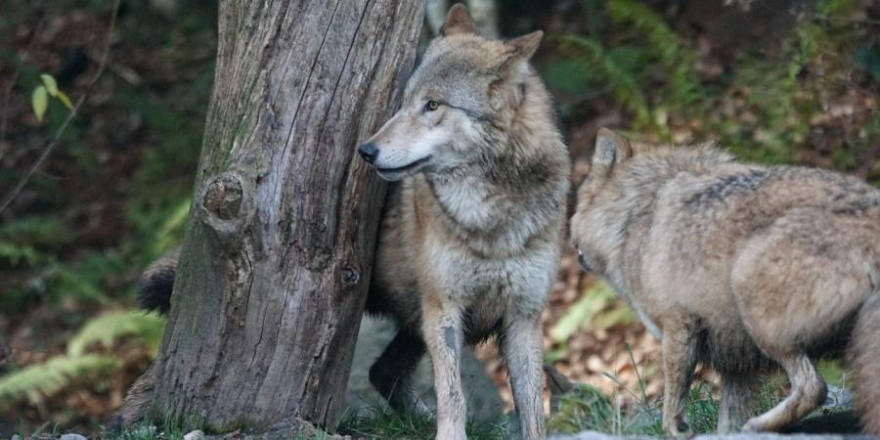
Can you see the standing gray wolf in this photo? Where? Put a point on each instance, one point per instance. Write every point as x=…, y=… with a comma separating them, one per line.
x=740, y=267
x=471, y=236
x=470, y=241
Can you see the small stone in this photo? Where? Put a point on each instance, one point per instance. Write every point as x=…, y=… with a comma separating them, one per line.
x=72, y=436
x=838, y=398
x=194, y=435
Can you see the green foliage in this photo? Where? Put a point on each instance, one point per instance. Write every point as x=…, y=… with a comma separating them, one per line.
x=40, y=102
x=46, y=257
x=587, y=408
x=41, y=94
x=16, y=255
x=85, y=280
x=648, y=69
x=594, y=310
x=163, y=428
x=598, y=308
x=29, y=240
x=672, y=52
x=620, y=70
x=158, y=201
x=40, y=381
x=621, y=83
x=162, y=187
x=109, y=327
x=584, y=408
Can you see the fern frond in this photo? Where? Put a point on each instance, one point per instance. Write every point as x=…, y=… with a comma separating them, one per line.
x=39, y=381
x=107, y=328
x=656, y=32
x=623, y=86
x=672, y=50
x=15, y=254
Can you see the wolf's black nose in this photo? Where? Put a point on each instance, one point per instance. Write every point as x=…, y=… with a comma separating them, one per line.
x=369, y=152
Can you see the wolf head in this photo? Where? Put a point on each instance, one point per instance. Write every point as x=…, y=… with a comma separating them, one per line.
x=465, y=88
x=610, y=152
x=613, y=161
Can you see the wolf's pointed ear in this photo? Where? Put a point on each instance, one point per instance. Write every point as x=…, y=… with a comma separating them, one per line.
x=458, y=21
x=524, y=47
x=611, y=149
x=518, y=51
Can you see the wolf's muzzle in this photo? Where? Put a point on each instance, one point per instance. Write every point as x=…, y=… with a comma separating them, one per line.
x=369, y=152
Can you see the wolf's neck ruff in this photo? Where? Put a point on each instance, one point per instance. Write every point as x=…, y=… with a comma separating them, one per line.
x=482, y=205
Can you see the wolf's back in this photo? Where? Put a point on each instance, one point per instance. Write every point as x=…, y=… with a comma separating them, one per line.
x=157, y=282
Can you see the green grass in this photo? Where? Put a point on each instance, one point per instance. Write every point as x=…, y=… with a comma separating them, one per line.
x=586, y=408
x=372, y=423
x=626, y=413
x=379, y=422
x=165, y=428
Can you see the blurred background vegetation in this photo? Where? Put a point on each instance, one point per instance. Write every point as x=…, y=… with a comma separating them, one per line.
x=781, y=81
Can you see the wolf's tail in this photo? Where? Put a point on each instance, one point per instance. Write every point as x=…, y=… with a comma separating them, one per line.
x=156, y=283
x=865, y=363
x=154, y=293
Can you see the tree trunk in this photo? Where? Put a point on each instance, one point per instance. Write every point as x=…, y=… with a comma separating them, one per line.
x=277, y=258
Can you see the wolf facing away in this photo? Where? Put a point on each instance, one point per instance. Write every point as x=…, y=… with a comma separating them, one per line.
x=470, y=241
x=470, y=238
x=740, y=267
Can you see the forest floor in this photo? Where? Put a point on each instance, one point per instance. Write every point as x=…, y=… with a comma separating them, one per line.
x=801, y=87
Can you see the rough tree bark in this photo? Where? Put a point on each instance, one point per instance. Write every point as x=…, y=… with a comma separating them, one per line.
x=277, y=256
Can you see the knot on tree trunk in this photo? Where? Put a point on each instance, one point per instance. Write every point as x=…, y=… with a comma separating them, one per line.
x=226, y=206
x=223, y=196
x=350, y=276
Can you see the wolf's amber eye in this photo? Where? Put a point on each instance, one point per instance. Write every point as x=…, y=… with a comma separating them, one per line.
x=432, y=105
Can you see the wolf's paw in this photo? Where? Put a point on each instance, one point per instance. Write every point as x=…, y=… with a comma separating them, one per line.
x=752, y=426
x=451, y=434
x=409, y=402
x=680, y=430
x=418, y=406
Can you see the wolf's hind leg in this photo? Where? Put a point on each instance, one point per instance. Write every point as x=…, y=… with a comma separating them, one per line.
x=679, y=348
x=808, y=391
x=737, y=396
x=392, y=373
x=521, y=346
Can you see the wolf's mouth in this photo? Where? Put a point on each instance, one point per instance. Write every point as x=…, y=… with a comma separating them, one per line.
x=405, y=167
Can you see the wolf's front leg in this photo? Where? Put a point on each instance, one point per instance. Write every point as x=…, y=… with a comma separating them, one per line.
x=521, y=345
x=443, y=334
x=679, y=361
